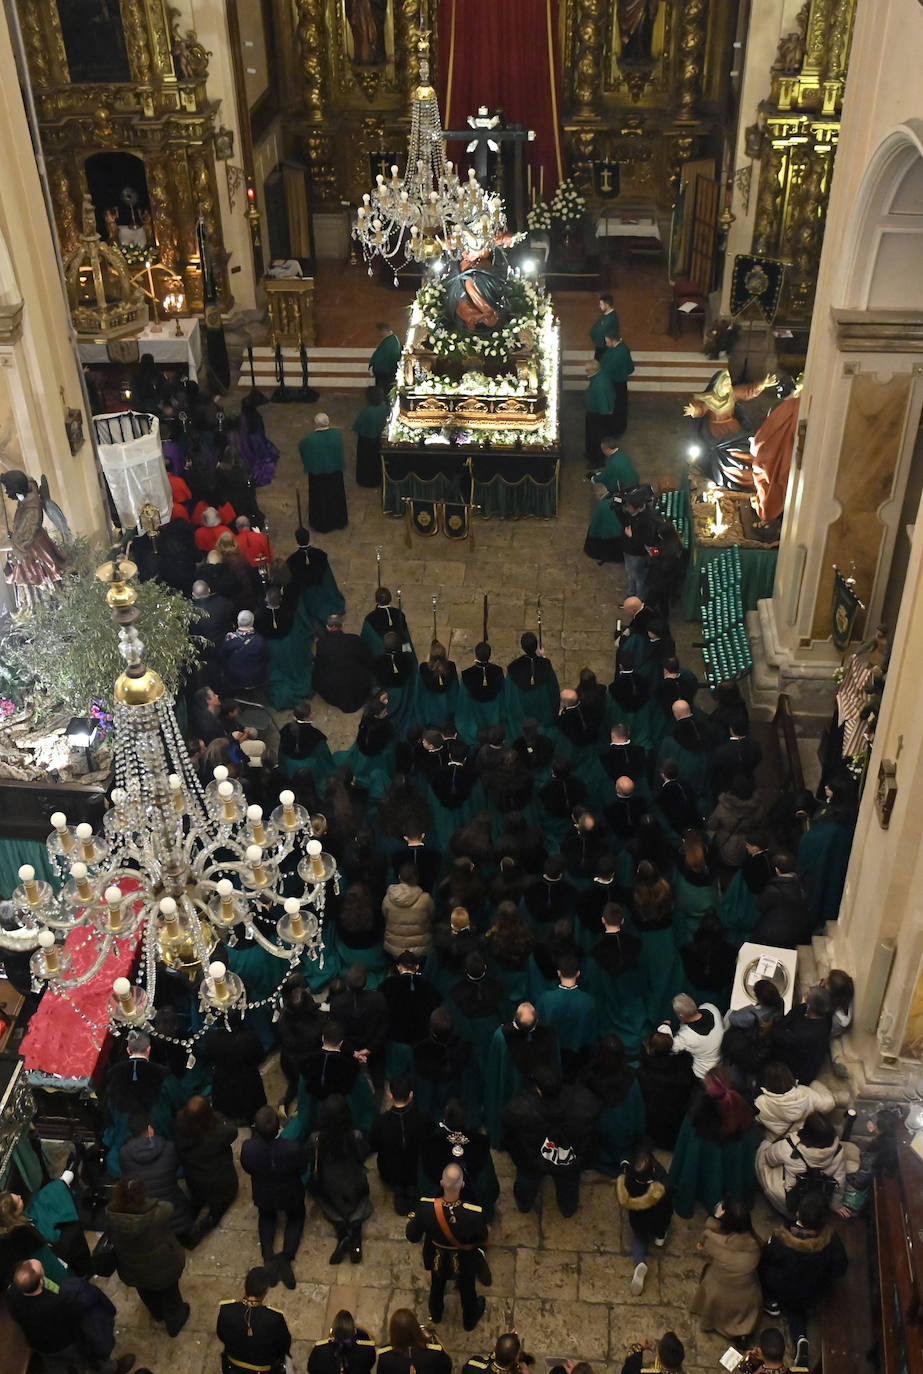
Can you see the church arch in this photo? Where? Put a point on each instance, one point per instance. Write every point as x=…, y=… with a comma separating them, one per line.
x=886, y=247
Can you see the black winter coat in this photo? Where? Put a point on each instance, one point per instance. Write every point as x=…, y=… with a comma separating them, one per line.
x=208, y=1165
x=155, y=1161
x=275, y=1168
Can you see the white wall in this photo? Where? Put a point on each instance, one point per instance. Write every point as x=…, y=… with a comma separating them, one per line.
x=209, y=19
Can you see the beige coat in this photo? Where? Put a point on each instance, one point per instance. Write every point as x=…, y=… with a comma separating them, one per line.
x=408, y=913
x=780, y=1113
x=729, y=1299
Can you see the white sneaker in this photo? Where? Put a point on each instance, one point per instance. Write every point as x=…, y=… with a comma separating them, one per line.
x=67, y=1177
x=660, y=1242
x=637, y=1279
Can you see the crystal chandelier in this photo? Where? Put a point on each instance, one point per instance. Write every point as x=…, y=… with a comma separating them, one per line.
x=429, y=212
x=177, y=868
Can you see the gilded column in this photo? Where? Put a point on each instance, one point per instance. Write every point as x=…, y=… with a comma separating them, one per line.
x=137, y=40
x=838, y=55
x=691, y=50
x=409, y=29
x=815, y=39
x=765, y=223
x=587, y=57
x=65, y=210
x=205, y=199
x=311, y=34
x=36, y=45
x=807, y=232
x=160, y=174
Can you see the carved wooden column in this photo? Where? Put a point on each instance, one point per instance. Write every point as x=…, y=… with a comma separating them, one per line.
x=838, y=55
x=64, y=204
x=137, y=40
x=162, y=172
x=765, y=224
x=588, y=38
x=311, y=33
x=691, y=57
x=205, y=201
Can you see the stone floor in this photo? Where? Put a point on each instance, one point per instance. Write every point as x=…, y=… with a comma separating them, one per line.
x=512, y=561
x=562, y=1284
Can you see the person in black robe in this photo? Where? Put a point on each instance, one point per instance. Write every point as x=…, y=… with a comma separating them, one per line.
x=235, y=1053
x=617, y=950
x=625, y=811
x=342, y=667
x=338, y=1183
x=483, y=680
x=550, y=896
x=601, y=891
x=298, y=739
x=562, y=793
x=349, y=1349
x=411, y=999
x=622, y=757
x=535, y=749
x=577, y=725
x=440, y=1060
x=363, y=1013
x=134, y=1085
x=555, y=1113
x=332, y=1068
x=396, y=1136
x=675, y=801
x=584, y=844
x=426, y=860
x=299, y=1031
x=384, y=618
x=308, y=563
x=452, y=1140
x=667, y=1084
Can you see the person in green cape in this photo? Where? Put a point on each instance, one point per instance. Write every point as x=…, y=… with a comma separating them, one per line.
x=323, y=461
x=517, y=1048
x=604, y=536
x=383, y=362
x=617, y=364
x=318, y=593
x=598, y=403
x=606, y=321
x=572, y=1013
x=367, y=428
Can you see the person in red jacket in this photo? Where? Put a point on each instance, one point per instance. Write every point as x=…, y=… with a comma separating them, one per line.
x=210, y=530
x=254, y=545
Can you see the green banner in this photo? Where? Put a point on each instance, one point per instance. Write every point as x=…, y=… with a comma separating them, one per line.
x=844, y=610
x=756, y=281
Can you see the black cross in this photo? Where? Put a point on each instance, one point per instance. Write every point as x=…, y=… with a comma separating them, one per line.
x=482, y=138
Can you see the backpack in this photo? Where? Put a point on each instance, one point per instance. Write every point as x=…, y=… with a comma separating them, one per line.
x=813, y=1180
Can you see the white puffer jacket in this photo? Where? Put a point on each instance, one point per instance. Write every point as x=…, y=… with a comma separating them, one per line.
x=780, y=1113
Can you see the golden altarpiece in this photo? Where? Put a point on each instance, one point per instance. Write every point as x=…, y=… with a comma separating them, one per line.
x=125, y=117
x=645, y=84
x=792, y=146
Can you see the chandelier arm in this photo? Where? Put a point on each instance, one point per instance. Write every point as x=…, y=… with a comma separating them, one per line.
x=290, y=952
x=90, y=973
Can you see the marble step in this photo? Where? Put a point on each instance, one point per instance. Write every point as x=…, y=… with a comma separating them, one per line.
x=346, y=369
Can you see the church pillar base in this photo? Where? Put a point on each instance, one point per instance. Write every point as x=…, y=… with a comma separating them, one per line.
x=806, y=675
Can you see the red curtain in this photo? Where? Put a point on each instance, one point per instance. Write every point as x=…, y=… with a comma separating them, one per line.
x=504, y=54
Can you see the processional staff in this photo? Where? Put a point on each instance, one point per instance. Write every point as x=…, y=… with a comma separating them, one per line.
x=378, y=561
x=539, y=614
x=435, y=601
x=485, y=618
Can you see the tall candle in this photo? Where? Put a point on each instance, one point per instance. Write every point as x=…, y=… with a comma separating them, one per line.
x=255, y=860
x=125, y=993
x=27, y=878
x=66, y=839
x=46, y=941
x=293, y=910
x=216, y=973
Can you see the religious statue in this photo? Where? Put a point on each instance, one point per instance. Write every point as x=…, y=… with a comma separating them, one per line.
x=476, y=294
x=367, y=24
x=721, y=426
x=772, y=448
x=636, y=29
x=190, y=58
x=112, y=223
x=34, y=561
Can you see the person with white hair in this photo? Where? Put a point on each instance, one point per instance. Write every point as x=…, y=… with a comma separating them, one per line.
x=323, y=460
x=701, y=1031
x=210, y=530
x=244, y=658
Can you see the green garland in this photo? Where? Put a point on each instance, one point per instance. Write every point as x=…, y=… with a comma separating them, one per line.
x=68, y=648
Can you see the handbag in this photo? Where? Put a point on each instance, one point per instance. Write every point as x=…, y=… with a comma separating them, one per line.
x=103, y=1257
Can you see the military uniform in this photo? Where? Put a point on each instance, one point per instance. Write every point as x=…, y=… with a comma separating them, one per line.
x=451, y=1252
x=256, y=1338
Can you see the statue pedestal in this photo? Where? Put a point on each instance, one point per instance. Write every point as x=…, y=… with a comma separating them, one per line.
x=806, y=676
x=752, y=355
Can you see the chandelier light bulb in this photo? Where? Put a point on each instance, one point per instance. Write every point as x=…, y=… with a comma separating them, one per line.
x=125, y=993
x=65, y=838
x=366, y=199
x=380, y=179
x=79, y=875
x=217, y=972
x=289, y=815
x=226, y=793
x=84, y=833
x=315, y=848
x=394, y=169
x=27, y=878
x=168, y=912
x=292, y=908
x=225, y=889
x=254, y=857
x=255, y=817
x=220, y=774
x=46, y=942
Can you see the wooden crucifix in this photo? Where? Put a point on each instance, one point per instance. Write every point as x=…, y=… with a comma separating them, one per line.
x=484, y=135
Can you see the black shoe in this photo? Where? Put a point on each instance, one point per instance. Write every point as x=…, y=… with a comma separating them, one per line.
x=434, y=1314
x=479, y=1309
x=772, y=1309
x=272, y=1269
x=124, y=1363
x=343, y=1247
x=802, y=1353
x=285, y=1271
x=355, y=1254
x=174, y=1328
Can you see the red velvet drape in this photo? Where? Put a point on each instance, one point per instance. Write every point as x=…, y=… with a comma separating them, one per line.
x=504, y=54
